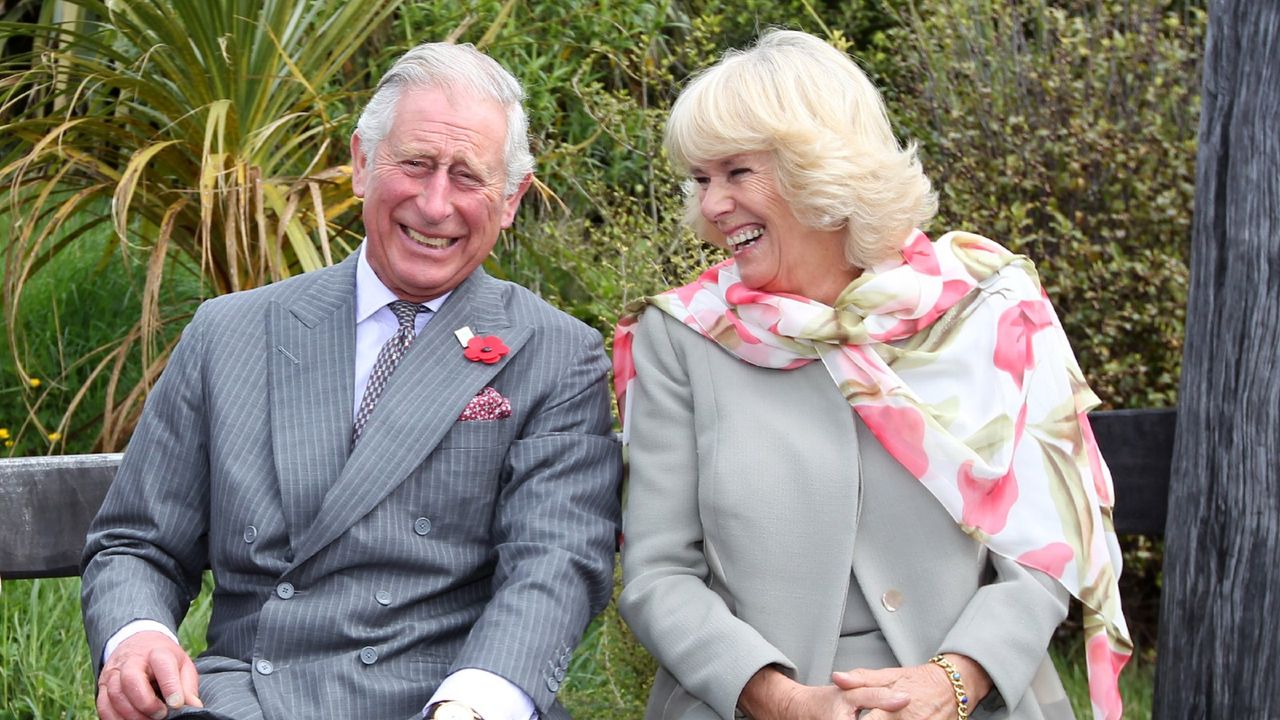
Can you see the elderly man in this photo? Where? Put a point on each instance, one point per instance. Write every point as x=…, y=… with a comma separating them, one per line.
x=400, y=470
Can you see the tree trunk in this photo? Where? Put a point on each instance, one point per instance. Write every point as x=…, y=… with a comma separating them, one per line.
x=1219, y=649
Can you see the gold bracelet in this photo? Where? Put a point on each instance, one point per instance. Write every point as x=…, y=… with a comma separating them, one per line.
x=957, y=685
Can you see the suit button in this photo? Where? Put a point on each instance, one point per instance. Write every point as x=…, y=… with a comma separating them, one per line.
x=422, y=526
x=250, y=534
x=264, y=667
x=284, y=590
x=368, y=655
x=891, y=600
x=383, y=597
x=553, y=684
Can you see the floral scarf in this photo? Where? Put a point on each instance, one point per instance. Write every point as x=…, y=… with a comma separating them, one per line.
x=955, y=360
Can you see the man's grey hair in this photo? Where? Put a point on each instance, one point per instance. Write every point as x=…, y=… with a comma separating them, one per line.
x=457, y=67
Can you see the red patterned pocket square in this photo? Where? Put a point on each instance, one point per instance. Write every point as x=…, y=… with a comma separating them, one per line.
x=488, y=405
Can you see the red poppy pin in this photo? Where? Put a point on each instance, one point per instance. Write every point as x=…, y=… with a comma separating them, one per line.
x=488, y=349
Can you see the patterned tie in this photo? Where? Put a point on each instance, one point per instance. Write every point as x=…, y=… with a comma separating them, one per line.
x=388, y=357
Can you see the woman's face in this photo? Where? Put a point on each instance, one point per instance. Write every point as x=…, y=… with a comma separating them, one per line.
x=739, y=198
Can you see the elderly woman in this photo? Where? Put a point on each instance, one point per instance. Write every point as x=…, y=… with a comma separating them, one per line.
x=862, y=481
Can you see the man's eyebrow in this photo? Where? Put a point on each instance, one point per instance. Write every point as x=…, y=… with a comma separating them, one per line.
x=459, y=159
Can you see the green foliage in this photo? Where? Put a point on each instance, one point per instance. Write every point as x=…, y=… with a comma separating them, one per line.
x=43, y=652
x=610, y=674
x=73, y=311
x=201, y=132
x=1067, y=131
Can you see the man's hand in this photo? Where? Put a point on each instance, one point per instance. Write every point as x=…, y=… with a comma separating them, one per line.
x=143, y=669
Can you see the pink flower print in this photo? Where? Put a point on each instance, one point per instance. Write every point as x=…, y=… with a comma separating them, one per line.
x=624, y=365
x=901, y=431
x=1051, y=558
x=920, y=255
x=1014, y=332
x=687, y=293
x=1095, y=462
x=743, y=332
x=952, y=291
x=986, y=501
x=1104, y=672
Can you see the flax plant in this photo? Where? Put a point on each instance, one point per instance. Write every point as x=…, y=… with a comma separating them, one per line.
x=209, y=134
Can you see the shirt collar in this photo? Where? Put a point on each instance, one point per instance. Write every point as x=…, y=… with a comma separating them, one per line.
x=372, y=295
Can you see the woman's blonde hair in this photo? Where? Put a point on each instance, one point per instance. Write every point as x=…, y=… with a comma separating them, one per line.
x=837, y=161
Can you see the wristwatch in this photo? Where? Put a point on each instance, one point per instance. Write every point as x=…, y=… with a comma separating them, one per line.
x=451, y=710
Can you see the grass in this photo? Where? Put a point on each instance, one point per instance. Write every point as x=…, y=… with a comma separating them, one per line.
x=45, y=670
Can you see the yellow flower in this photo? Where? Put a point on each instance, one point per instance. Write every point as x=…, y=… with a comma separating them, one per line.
x=55, y=436
x=4, y=433
x=8, y=443
x=34, y=382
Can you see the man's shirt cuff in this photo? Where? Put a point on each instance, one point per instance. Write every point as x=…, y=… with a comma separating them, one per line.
x=493, y=697
x=131, y=629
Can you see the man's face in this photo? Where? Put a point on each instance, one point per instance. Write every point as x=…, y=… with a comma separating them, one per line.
x=433, y=203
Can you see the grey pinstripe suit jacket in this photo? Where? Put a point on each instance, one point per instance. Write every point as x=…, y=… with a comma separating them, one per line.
x=350, y=583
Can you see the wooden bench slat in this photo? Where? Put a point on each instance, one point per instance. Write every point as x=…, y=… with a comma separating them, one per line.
x=1138, y=447
x=46, y=504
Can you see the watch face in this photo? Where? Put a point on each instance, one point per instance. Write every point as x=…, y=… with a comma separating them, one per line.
x=452, y=711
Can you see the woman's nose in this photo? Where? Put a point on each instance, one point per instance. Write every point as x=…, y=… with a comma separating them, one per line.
x=715, y=201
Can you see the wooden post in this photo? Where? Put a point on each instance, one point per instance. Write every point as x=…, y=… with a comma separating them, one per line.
x=1219, y=648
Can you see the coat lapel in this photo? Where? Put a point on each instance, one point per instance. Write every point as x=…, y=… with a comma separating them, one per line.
x=422, y=401
x=312, y=385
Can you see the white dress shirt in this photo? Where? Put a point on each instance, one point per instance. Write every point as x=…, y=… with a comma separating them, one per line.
x=493, y=697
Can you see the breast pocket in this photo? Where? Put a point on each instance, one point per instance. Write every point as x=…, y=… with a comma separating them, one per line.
x=476, y=434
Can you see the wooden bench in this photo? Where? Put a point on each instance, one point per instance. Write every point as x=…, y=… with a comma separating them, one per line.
x=46, y=503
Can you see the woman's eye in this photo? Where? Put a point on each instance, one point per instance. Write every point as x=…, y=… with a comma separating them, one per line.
x=702, y=180
x=739, y=173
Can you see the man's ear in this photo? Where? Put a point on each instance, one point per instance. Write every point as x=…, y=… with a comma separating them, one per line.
x=512, y=203
x=358, y=166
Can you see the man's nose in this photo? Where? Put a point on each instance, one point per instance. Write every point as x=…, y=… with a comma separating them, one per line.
x=435, y=197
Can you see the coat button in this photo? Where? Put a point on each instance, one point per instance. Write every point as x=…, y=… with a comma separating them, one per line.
x=368, y=655
x=250, y=534
x=264, y=667
x=553, y=684
x=284, y=590
x=422, y=526
x=891, y=600
x=559, y=674
x=383, y=597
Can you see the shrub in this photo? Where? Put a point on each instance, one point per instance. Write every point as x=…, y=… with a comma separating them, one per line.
x=1067, y=131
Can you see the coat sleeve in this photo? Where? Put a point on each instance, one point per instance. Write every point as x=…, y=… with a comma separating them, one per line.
x=555, y=525
x=147, y=546
x=667, y=598
x=1006, y=627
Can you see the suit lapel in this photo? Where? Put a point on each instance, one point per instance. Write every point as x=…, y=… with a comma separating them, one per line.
x=423, y=399
x=312, y=385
